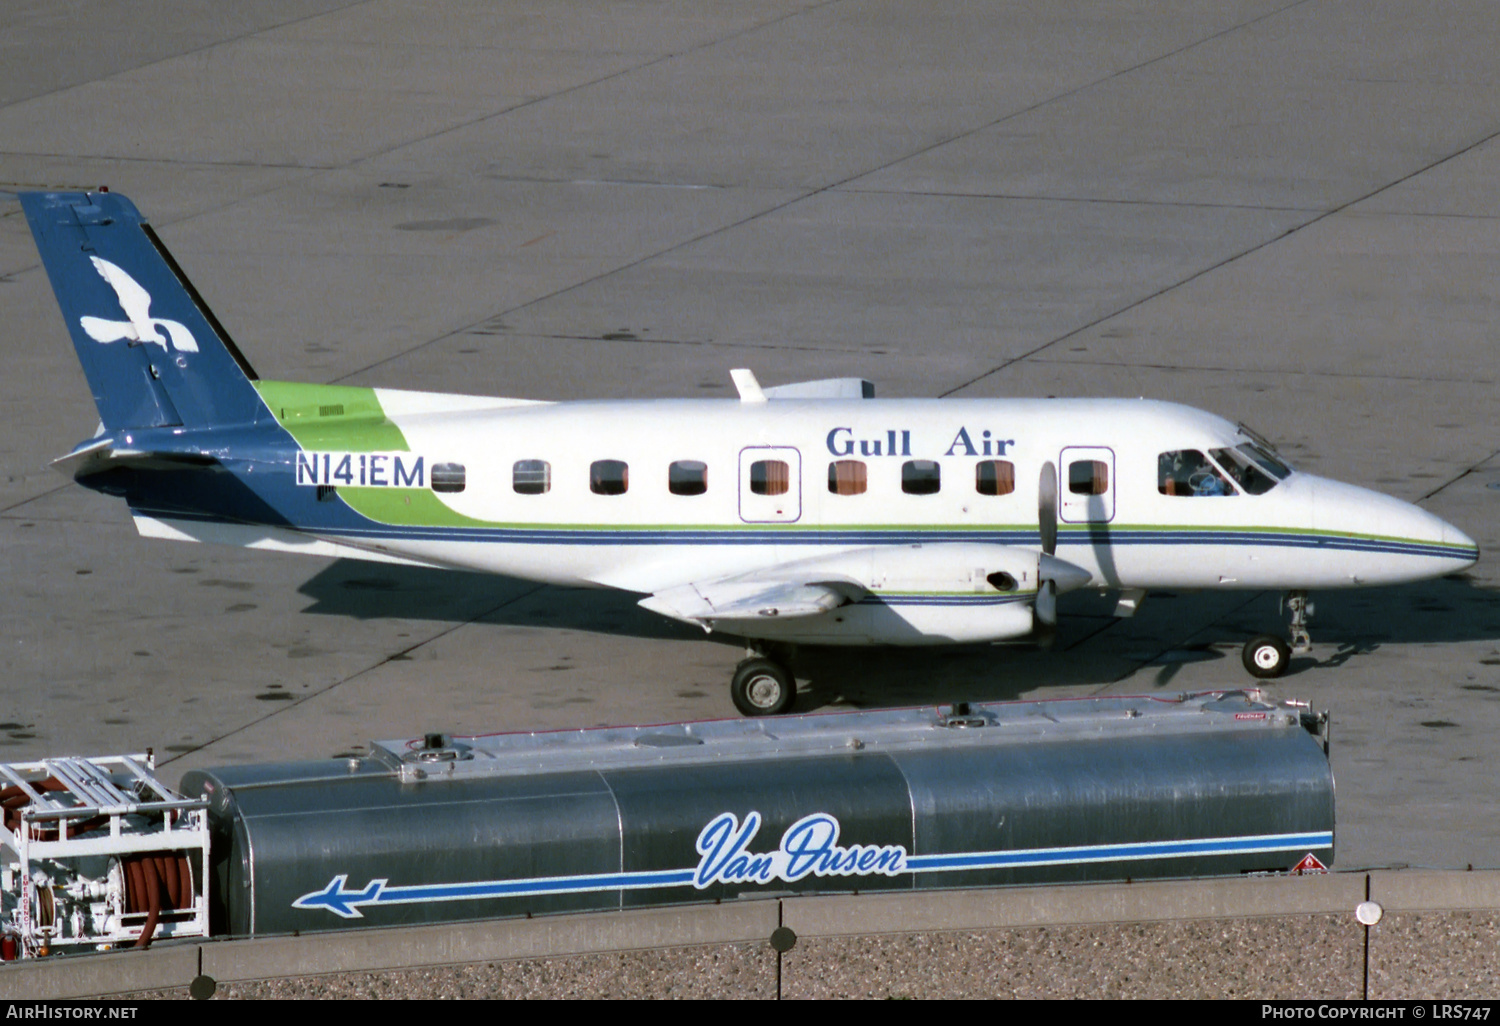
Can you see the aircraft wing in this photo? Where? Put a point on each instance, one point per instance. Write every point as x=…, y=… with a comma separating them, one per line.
x=764, y=597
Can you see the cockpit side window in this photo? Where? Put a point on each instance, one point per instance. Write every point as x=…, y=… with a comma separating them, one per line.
x=1267, y=459
x=1248, y=474
x=1189, y=472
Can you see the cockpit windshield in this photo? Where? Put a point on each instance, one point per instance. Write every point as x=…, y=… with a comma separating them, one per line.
x=1268, y=460
x=1189, y=472
x=1244, y=464
x=1264, y=453
x=1250, y=466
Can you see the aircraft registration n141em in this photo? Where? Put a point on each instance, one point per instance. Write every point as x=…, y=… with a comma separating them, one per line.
x=810, y=513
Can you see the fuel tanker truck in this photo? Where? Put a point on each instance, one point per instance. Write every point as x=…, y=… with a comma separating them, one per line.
x=99, y=853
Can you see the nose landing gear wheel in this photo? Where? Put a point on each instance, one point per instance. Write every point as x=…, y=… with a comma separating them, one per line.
x=1266, y=656
x=762, y=687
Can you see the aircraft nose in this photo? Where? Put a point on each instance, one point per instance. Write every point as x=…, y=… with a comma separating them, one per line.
x=1452, y=536
x=1404, y=541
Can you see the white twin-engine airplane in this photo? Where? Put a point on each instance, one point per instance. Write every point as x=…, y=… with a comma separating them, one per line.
x=804, y=514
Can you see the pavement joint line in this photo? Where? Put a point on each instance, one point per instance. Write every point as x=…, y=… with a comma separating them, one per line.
x=1091, y=635
x=809, y=194
x=197, y=49
x=1107, y=200
x=1186, y=641
x=642, y=66
x=5, y=510
x=629, y=183
x=1203, y=272
x=354, y=162
x=171, y=161
x=1460, y=477
x=1435, y=215
x=1348, y=375
x=355, y=675
x=1069, y=93
x=707, y=342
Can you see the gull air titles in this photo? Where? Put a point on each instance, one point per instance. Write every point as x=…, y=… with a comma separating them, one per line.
x=845, y=441
x=964, y=444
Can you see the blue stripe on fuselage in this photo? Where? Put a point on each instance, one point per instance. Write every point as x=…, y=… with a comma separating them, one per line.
x=337, y=521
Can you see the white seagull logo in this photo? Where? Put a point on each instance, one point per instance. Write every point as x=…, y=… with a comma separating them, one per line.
x=136, y=302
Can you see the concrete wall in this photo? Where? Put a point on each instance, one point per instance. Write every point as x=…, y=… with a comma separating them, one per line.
x=1266, y=937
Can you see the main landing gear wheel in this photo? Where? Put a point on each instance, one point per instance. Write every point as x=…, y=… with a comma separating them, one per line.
x=1267, y=656
x=762, y=687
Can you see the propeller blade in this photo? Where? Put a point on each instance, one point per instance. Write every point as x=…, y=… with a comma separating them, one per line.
x=1047, y=508
x=1046, y=604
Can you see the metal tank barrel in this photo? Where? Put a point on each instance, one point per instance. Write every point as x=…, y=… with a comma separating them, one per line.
x=444, y=828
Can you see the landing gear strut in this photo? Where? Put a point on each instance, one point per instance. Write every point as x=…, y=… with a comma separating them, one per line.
x=1268, y=656
x=763, y=686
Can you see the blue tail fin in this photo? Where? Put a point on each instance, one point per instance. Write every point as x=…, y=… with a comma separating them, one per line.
x=153, y=353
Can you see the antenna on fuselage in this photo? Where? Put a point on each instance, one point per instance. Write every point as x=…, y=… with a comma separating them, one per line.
x=748, y=387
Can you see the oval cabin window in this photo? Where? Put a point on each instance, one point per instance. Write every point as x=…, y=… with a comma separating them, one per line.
x=687, y=477
x=1088, y=477
x=770, y=477
x=531, y=477
x=994, y=477
x=847, y=477
x=609, y=477
x=447, y=477
x=921, y=477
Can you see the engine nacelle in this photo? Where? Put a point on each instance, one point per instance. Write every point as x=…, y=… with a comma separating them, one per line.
x=923, y=594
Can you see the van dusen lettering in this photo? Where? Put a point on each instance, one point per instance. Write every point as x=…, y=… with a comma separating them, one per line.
x=362, y=469
x=808, y=848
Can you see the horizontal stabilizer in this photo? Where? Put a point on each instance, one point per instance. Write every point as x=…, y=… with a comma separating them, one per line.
x=265, y=539
x=100, y=454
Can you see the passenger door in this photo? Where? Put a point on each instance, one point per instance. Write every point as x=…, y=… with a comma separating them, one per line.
x=770, y=485
x=1086, y=485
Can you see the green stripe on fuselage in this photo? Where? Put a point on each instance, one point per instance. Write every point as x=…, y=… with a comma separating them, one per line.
x=332, y=417
x=345, y=418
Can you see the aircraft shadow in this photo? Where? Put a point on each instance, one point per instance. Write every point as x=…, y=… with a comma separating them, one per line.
x=371, y=591
x=1092, y=647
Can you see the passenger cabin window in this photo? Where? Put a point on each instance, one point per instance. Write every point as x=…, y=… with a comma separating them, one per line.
x=531, y=477
x=847, y=477
x=921, y=477
x=995, y=477
x=1189, y=472
x=1088, y=477
x=687, y=477
x=770, y=477
x=447, y=477
x=609, y=477
x=1249, y=474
